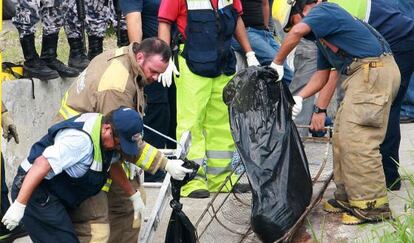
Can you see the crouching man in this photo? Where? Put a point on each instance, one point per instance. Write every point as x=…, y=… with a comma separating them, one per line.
x=68, y=165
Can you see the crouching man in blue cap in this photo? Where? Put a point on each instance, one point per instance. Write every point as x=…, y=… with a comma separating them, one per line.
x=68, y=165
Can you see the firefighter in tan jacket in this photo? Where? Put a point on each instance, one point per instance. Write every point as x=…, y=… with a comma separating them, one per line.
x=117, y=78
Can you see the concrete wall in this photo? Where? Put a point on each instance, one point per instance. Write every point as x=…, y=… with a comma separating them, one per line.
x=32, y=116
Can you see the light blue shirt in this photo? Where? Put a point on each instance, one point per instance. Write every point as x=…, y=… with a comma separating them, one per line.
x=71, y=152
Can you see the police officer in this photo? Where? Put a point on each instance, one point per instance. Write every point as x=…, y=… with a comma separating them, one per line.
x=52, y=15
x=357, y=50
x=68, y=165
x=117, y=78
x=98, y=14
x=206, y=64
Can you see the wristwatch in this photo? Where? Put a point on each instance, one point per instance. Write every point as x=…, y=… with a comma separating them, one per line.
x=318, y=110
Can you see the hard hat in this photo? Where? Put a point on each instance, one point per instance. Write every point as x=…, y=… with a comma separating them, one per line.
x=282, y=10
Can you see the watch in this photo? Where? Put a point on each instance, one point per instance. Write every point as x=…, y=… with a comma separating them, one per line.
x=318, y=110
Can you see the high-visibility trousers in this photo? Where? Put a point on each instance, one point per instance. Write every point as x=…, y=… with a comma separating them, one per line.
x=201, y=110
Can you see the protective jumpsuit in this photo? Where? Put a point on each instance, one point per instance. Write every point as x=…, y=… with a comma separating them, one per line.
x=206, y=63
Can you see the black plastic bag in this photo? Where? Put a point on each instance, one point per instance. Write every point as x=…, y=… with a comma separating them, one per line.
x=180, y=229
x=270, y=149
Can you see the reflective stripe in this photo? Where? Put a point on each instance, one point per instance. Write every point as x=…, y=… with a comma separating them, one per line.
x=211, y=154
x=199, y=161
x=368, y=12
x=218, y=170
x=147, y=157
x=126, y=169
x=199, y=4
x=65, y=110
x=206, y=4
x=107, y=185
x=96, y=166
x=26, y=165
x=369, y=204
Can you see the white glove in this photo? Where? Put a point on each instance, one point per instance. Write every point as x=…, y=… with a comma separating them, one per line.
x=13, y=215
x=166, y=77
x=279, y=69
x=138, y=204
x=251, y=59
x=175, y=169
x=297, y=108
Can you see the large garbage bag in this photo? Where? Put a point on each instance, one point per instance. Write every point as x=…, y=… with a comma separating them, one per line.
x=270, y=149
x=180, y=229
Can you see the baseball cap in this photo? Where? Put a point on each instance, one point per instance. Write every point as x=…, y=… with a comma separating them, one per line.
x=128, y=126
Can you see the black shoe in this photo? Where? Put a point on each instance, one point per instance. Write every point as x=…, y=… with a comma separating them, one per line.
x=406, y=119
x=77, y=55
x=201, y=193
x=122, y=38
x=242, y=188
x=33, y=66
x=95, y=46
x=48, y=55
x=9, y=236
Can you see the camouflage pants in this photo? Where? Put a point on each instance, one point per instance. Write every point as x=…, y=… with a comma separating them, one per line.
x=97, y=16
x=29, y=12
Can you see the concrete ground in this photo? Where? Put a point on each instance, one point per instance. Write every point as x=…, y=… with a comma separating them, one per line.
x=234, y=213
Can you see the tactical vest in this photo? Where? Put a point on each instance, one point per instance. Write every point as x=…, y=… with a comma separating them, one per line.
x=209, y=31
x=72, y=191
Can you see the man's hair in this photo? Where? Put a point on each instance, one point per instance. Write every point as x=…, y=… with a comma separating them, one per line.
x=154, y=46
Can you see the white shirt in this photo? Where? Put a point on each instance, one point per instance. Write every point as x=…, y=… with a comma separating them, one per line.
x=72, y=152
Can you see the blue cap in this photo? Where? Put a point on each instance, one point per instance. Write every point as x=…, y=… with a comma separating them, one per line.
x=128, y=125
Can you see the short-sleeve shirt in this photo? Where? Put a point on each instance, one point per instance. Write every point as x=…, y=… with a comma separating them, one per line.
x=341, y=31
x=176, y=11
x=391, y=23
x=149, y=14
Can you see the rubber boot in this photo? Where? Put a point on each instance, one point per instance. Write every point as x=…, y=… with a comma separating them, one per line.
x=49, y=47
x=77, y=54
x=122, y=38
x=95, y=46
x=33, y=66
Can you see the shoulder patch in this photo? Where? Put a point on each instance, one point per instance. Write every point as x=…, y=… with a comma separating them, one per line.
x=115, y=77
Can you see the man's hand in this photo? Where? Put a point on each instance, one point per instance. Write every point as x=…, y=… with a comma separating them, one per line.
x=318, y=122
x=13, y=215
x=297, y=108
x=176, y=170
x=251, y=59
x=279, y=69
x=138, y=204
x=9, y=129
x=166, y=77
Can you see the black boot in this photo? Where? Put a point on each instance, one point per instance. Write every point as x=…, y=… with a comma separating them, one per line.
x=77, y=55
x=49, y=47
x=95, y=46
x=33, y=66
x=122, y=38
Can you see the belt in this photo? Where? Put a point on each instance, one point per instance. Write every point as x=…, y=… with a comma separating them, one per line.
x=366, y=63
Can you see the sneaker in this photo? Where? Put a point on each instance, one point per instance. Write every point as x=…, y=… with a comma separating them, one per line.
x=336, y=206
x=200, y=193
x=360, y=216
x=9, y=236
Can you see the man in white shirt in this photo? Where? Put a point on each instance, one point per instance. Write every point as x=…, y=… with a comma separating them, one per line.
x=68, y=165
